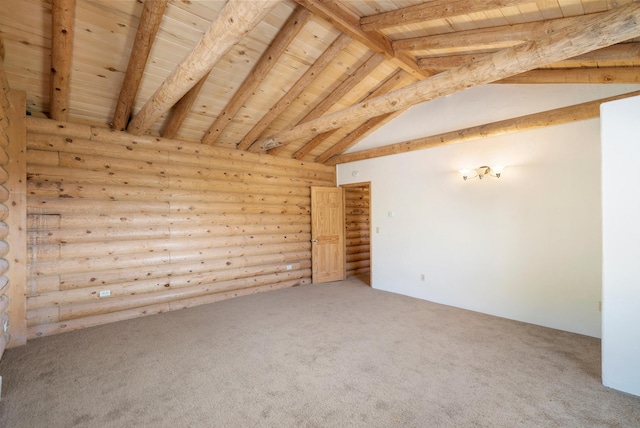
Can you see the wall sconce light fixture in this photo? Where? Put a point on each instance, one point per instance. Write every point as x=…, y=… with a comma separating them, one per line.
x=480, y=172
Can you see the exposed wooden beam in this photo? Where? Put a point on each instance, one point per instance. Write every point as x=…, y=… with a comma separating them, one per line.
x=620, y=55
x=182, y=109
x=387, y=85
x=62, y=17
x=533, y=121
x=434, y=9
x=152, y=13
x=269, y=58
x=577, y=75
x=355, y=136
x=483, y=39
x=312, y=72
x=340, y=91
x=617, y=25
x=349, y=23
x=233, y=22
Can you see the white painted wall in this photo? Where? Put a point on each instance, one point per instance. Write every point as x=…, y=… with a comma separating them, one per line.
x=621, y=245
x=526, y=246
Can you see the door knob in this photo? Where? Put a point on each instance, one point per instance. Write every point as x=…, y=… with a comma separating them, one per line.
x=314, y=240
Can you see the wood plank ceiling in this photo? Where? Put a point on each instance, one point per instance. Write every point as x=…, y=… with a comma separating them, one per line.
x=277, y=76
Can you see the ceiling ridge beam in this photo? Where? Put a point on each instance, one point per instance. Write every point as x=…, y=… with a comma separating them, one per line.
x=309, y=76
x=430, y=10
x=340, y=91
x=62, y=20
x=182, y=109
x=490, y=37
x=387, y=85
x=150, y=19
x=543, y=119
x=349, y=23
x=621, y=75
x=592, y=32
x=235, y=20
x=267, y=61
x=621, y=52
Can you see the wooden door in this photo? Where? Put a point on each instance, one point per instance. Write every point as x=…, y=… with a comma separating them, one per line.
x=327, y=234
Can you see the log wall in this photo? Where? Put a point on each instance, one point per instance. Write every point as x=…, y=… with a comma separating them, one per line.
x=358, y=228
x=158, y=224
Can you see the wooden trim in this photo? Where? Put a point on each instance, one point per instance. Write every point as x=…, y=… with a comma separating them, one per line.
x=4, y=83
x=309, y=76
x=17, y=219
x=533, y=121
x=593, y=32
x=62, y=20
x=234, y=21
x=182, y=109
x=152, y=14
x=384, y=87
x=349, y=23
x=340, y=91
x=269, y=58
x=430, y=10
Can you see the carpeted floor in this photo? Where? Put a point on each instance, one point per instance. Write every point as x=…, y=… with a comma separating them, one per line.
x=330, y=355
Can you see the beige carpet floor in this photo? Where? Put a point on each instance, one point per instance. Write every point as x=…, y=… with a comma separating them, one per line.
x=330, y=355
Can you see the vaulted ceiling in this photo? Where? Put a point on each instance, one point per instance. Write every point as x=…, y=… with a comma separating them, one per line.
x=306, y=79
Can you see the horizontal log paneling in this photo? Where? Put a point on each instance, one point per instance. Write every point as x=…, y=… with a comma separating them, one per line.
x=161, y=224
x=60, y=327
x=357, y=225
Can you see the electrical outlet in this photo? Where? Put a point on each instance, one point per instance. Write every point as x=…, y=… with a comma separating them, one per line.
x=377, y=230
x=421, y=277
x=600, y=305
x=105, y=293
x=289, y=267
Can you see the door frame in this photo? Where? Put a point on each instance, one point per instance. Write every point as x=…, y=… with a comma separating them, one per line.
x=360, y=184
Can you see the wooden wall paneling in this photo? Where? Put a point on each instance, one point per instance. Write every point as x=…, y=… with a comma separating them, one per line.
x=591, y=32
x=62, y=32
x=195, y=223
x=152, y=13
x=357, y=221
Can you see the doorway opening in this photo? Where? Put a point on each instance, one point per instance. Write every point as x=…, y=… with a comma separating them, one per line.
x=357, y=220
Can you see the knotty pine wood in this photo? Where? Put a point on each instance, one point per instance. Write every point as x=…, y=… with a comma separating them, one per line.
x=161, y=224
x=15, y=220
x=357, y=222
x=590, y=33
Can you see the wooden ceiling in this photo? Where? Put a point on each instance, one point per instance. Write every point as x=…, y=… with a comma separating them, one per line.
x=304, y=79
